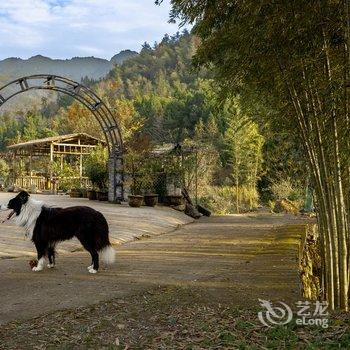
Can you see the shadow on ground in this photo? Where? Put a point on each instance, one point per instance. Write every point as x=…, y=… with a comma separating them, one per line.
x=233, y=258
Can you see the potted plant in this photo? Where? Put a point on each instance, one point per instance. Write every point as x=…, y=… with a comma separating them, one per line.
x=102, y=194
x=174, y=197
x=136, y=154
x=175, y=176
x=174, y=200
x=150, y=197
x=91, y=194
x=83, y=191
x=75, y=193
x=96, y=170
x=75, y=190
x=135, y=198
x=146, y=183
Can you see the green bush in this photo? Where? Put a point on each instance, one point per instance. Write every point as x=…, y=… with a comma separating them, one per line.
x=286, y=189
x=4, y=170
x=96, y=167
x=68, y=175
x=222, y=200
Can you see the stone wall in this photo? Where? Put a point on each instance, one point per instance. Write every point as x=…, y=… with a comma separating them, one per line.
x=116, y=179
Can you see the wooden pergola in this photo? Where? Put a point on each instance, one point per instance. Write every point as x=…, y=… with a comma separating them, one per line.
x=55, y=148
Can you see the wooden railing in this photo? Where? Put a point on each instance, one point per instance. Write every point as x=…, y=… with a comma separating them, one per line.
x=42, y=183
x=27, y=182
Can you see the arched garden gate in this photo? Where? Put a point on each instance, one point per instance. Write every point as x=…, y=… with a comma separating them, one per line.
x=89, y=99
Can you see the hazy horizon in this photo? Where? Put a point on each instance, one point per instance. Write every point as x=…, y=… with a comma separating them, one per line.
x=64, y=29
x=65, y=58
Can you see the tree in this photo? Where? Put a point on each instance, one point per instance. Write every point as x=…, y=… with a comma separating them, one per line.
x=295, y=56
x=77, y=118
x=30, y=127
x=243, y=146
x=4, y=170
x=9, y=130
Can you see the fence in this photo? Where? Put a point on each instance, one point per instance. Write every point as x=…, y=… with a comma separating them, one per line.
x=43, y=183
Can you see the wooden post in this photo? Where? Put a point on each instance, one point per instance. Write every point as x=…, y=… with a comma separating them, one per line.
x=51, y=152
x=80, y=163
x=30, y=169
x=51, y=161
x=196, y=176
x=81, y=168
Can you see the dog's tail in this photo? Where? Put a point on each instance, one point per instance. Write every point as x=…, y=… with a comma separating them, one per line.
x=107, y=254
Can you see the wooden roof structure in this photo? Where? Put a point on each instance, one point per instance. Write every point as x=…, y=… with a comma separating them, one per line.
x=62, y=148
x=75, y=144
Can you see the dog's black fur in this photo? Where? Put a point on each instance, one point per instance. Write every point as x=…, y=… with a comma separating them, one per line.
x=17, y=202
x=54, y=225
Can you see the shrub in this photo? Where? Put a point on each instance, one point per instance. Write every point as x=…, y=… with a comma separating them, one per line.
x=96, y=167
x=222, y=200
x=4, y=171
x=286, y=189
x=67, y=174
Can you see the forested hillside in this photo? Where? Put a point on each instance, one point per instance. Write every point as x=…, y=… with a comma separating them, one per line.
x=159, y=95
x=77, y=68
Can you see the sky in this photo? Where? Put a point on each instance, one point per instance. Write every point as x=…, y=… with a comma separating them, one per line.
x=70, y=28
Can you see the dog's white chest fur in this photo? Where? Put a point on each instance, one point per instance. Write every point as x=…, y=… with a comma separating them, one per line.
x=28, y=216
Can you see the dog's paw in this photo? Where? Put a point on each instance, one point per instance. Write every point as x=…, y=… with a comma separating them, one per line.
x=36, y=269
x=93, y=271
x=50, y=266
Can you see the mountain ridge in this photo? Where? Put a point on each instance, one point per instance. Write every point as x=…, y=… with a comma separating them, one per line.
x=74, y=68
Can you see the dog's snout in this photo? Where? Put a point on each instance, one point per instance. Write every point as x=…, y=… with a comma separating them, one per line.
x=4, y=207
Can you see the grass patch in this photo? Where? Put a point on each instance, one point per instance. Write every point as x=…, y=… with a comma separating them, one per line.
x=167, y=318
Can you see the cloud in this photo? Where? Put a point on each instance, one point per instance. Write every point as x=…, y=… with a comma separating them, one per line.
x=67, y=28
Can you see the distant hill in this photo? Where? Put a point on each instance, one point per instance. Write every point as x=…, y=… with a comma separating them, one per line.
x=122, y=56
x=75, y=68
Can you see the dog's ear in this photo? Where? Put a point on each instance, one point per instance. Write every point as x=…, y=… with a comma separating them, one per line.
x=23, y=196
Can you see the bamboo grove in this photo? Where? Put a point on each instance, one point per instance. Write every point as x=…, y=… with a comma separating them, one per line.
x=293, y=56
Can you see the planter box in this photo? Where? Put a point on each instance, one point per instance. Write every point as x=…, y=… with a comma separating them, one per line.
x=102, y=196
x=151, y=200
x=74, y=193
x=173, y=200
x=91, y=194
x=135, y=201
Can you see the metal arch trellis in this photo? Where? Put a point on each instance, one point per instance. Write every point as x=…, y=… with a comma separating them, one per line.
x=90, y=100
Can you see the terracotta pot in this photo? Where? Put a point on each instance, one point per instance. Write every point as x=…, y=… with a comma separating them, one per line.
x=151, y=200
x=135, y=201
x=91, y=194
x=75, y=193
x=173, y=200
x=102, y=196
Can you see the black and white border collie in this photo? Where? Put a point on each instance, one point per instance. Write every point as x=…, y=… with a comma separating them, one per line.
x=46, y=226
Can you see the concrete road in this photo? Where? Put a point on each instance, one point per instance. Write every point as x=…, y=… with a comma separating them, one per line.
x=125, y=224
x=242, y=258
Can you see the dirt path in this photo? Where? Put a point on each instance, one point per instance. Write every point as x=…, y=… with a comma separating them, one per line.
x=240, y=258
